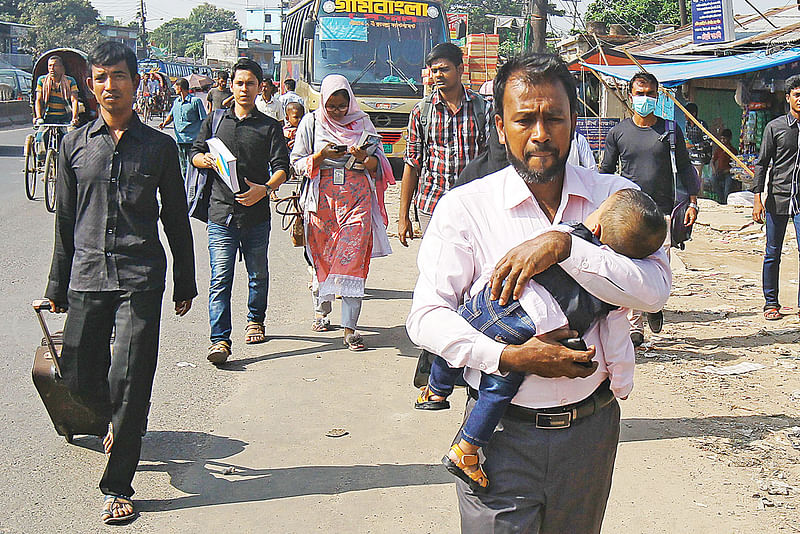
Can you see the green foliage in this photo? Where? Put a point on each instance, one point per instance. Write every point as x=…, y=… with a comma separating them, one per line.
x=60, y=23
x=184, y=36
x=9, y=10
x=637, y=16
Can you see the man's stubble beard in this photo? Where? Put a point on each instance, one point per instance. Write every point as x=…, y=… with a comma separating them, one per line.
x=537, y=177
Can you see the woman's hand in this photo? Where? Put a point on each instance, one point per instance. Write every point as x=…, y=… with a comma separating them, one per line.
x=328, y=152
x=358, y=153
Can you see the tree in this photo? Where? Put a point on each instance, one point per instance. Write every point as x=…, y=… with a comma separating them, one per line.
x=185, y=35
x=60, y=23
x=637, y=16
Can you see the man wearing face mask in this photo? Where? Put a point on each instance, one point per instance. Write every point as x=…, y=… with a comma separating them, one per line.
x=641, y=147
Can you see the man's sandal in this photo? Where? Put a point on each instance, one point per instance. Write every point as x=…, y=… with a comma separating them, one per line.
x=218, y=352
x=254, y=333
x=773, y=314
x=477, y=479
x=117, y=503
x=424, y=401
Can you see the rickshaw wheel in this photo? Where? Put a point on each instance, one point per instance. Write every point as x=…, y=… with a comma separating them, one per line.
x=50, y=180
x=30, y=167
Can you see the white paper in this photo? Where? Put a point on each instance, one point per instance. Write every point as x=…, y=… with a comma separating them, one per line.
x=225, y=163
x=738, y=369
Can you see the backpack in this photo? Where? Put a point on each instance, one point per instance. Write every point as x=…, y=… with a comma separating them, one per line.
x=198, y=186
x=679, y=232
x=426, y=117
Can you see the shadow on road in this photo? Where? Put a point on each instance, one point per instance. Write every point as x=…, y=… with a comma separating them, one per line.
x=387, y=294
x=11, y=151
x=740, y=429
x=703, y=317
x=375, y=337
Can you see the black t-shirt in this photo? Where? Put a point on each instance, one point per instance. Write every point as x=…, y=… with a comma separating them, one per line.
x=643, y=154
x=216, y=96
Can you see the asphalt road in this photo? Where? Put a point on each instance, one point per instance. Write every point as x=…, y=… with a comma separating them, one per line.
x=49, y=486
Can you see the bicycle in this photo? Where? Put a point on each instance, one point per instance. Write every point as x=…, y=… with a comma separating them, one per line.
x=52, y=134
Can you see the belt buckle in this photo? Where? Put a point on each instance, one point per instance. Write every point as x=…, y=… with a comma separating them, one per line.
x=553, y=420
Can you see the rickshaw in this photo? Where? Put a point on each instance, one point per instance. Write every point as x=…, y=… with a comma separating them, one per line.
x=159, y=103
x=44, y=157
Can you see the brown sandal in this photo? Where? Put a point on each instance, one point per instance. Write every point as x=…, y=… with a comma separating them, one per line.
x=477, y=480
x=254, y=333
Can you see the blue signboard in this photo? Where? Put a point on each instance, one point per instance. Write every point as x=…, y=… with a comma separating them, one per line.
x=595, y=130
x=712, y=21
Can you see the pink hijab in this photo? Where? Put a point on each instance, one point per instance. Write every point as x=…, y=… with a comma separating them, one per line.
x=348, y=131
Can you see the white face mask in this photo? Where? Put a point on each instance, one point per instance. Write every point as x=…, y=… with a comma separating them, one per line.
x=644, y=105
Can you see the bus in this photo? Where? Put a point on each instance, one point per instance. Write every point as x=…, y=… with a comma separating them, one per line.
x=171, y=69
x=378, y=45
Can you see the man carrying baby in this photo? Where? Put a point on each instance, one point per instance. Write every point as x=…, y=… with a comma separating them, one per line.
x=550, y=465
x=630, y=223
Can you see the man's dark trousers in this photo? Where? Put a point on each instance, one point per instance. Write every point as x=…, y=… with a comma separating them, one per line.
x=544, y=481
x=121, y=382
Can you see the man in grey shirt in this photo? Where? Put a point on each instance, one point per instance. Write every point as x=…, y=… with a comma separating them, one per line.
x=218, y=96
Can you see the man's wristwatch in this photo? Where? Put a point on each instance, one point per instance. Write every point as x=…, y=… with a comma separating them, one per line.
x=695, y=206
x=269, y=189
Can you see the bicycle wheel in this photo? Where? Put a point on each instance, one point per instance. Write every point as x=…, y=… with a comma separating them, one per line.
x=50, y=164
x=30, y=168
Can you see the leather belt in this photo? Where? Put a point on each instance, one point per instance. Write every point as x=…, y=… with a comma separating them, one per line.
x=559, y=416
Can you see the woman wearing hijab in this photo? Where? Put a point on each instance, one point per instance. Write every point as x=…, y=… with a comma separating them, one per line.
x=344, y=214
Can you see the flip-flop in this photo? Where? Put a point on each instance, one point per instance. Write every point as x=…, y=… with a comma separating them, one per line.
x=424, y=403
x=321, y=324
x=355, y=342
x=108, y=506
x=773, y=314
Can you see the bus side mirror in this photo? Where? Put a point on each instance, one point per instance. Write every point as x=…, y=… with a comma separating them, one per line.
x=309, y=27
x=461, y=30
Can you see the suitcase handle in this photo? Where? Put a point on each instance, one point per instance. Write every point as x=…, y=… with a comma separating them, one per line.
x=38, y=306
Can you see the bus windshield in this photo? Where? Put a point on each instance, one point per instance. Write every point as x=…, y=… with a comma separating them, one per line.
x=379, y=45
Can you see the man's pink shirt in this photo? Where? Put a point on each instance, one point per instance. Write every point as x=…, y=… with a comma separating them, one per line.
x=474, y=226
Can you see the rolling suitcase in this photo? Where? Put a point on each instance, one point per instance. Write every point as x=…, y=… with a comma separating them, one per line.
x=69, y=414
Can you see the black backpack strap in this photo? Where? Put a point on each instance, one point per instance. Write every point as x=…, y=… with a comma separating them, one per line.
x=479, y=112
x=216, y=118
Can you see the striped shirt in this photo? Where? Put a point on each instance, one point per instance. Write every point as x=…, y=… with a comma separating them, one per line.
x=453, y=141
x=55, y=108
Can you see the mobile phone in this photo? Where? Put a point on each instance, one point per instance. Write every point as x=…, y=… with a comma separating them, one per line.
x=365, y=146
x=576, y=343
x=339, y=148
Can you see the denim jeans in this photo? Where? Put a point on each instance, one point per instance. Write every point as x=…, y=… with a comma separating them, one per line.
x=776, y=231
x=223, y=243
x=506, y=324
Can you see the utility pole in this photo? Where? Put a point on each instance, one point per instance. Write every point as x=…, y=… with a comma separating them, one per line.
x=143, y=17
x=682, y=11
x=539, y=25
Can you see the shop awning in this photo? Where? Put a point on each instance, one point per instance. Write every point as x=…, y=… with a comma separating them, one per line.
x=677, y=73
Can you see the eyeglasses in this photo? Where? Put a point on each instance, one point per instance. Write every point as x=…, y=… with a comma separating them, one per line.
x=342, y=108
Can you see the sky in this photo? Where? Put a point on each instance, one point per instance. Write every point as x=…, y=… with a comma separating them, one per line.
x=160, y=12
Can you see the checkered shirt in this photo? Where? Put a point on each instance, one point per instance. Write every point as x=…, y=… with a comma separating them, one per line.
x=452, y=140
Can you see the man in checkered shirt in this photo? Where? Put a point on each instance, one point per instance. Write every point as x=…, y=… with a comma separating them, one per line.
x=437, y=153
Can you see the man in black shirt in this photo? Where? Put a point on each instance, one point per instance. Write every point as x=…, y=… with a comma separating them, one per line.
x=108, y=263
x=241, y=221
x=777, y=199
x=641, y=145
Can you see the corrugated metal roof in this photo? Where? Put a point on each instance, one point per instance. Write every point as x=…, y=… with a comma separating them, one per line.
x=751, y=30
